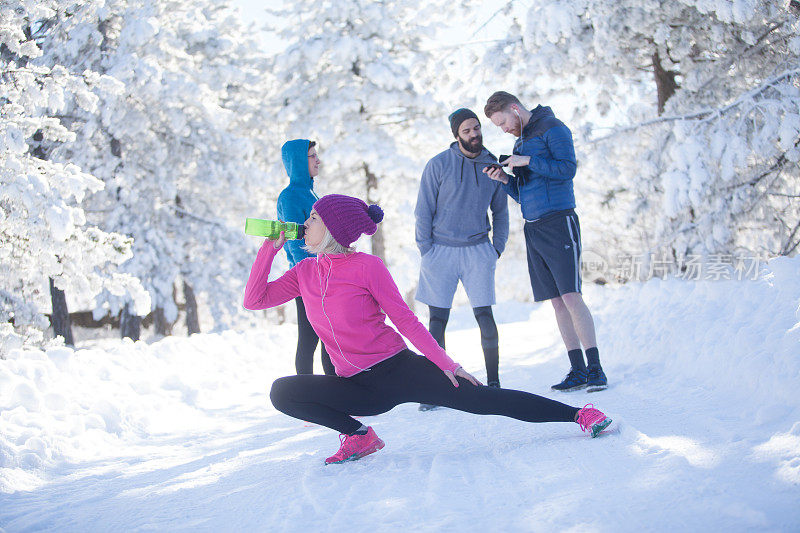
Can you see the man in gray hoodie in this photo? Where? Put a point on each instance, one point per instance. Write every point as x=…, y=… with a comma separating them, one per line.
x=452, y=234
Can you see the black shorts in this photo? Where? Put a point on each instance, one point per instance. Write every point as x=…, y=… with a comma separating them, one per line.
x=554, y=254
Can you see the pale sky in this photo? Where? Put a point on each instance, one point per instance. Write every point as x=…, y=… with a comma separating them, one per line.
x=254, y=11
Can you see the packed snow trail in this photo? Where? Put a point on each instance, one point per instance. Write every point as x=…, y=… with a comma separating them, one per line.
x=179, y=434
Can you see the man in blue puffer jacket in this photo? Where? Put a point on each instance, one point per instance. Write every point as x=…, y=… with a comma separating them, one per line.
x=294, y=205
x=543, y=167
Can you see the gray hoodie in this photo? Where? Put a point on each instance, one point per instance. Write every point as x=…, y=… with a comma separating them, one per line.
x=454, y=196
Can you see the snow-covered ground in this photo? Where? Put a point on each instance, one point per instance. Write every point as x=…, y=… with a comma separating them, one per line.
x=180, y=435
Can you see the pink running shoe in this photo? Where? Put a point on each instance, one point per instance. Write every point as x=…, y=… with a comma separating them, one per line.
x=591, y=419
x=355, y=447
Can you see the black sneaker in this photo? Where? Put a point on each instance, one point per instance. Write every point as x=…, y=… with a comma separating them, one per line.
x=495, y=384
x=597, y=379
x=575, y=380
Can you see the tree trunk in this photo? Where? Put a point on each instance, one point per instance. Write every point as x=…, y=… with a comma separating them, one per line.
x=60, y=317
x=130, y=325
x=192, y=320
x=410, y=301
x=378, y=242
x=162, y=327
x=665, y=82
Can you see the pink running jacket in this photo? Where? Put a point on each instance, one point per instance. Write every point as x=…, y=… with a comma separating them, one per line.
x=347, y=298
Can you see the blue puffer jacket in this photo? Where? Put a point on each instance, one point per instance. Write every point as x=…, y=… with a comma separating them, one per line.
x=296, y=200
x=545, y=185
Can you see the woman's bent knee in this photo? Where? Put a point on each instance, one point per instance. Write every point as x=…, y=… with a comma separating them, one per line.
x=281, y=392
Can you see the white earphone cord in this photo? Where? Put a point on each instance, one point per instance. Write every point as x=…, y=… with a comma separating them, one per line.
x=330, y=324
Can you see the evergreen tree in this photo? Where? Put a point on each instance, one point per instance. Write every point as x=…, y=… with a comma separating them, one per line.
x=172, y=145
x=685, y=116
x=347, y=80
x=43, y=230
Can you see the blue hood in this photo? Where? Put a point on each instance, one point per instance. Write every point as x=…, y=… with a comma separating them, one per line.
x=295, y=159
x=297, y=199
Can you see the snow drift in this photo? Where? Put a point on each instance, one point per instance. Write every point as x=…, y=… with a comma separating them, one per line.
x=179, y=434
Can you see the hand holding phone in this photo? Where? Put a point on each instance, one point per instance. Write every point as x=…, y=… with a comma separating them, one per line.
x=495, y=172
x=499, y=165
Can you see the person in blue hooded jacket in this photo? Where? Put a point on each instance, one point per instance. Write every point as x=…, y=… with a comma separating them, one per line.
x=543, y=167
x=294, y=205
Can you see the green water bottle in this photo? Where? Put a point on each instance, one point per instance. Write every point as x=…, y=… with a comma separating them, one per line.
x=271, y=229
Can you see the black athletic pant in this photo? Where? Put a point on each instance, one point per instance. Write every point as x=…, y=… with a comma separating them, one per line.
x=307, y=343
x=489, y=337
x=332, y=401
x=489, y=341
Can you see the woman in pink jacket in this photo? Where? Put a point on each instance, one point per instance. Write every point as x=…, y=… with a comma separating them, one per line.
x=348, y=295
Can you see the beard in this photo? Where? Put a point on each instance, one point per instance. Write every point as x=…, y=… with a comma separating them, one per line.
x=473, y=145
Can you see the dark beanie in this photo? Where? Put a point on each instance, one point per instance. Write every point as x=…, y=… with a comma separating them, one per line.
x=458, y=116
x=347, y=218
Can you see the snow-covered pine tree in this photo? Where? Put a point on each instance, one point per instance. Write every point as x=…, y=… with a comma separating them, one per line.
x=347, y=81
x=172, y=145
x=718, y=170
x=686, y=119
x=44, y=235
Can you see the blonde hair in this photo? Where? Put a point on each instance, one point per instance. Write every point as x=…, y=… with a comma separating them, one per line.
x=328, y=245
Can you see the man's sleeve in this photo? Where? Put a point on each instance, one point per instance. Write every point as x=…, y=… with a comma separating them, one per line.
x=426, y=208
x=499, y=206
x=561, y=164
x=512, y=187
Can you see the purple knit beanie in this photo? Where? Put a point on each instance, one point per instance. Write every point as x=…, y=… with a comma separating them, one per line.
x=347, y=217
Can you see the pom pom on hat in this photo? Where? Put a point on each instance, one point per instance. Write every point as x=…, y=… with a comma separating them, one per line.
x=347, y=217
x=375, y=213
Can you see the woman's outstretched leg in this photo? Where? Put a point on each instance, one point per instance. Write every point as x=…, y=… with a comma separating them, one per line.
x=429, y=384
x=419, y=380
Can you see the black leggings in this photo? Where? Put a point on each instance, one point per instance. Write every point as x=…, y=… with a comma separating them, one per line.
x=406, y=377
x=307, y=343
x=489, y=337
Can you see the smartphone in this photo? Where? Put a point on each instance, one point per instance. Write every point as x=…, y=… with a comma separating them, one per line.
x=492, y=166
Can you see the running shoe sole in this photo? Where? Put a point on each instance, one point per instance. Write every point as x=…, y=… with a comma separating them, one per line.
x=600, y=426
x=571, y=389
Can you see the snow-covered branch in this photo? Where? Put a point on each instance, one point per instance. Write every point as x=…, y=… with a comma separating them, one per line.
x=705, y=114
